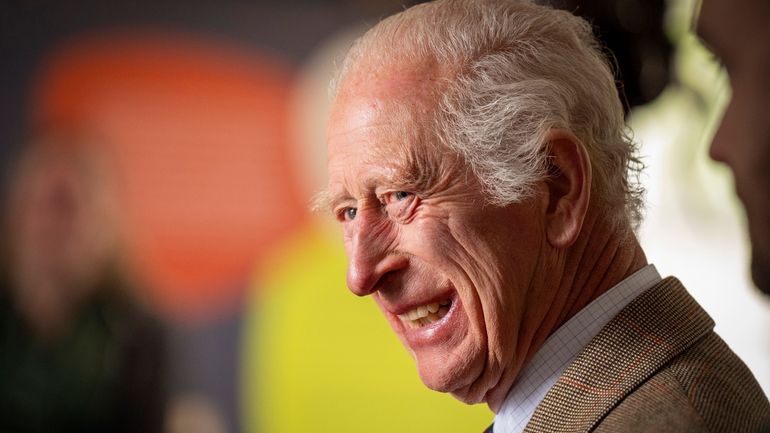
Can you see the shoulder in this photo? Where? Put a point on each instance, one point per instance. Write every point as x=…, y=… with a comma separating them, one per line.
x=707, y=388
x=720, y=387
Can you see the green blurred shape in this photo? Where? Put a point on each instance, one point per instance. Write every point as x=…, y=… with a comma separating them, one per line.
x=319, y=359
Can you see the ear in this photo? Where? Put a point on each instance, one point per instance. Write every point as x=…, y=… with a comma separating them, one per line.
x=568, y=188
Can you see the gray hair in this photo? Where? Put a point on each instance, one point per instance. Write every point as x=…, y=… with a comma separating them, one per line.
x=516, y=71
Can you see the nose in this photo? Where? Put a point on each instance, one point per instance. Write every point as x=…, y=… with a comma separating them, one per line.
x=370, y=256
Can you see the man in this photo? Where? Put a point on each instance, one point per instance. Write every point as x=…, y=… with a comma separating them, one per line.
x=78, y=352
x=478, y=164
x=738, y=32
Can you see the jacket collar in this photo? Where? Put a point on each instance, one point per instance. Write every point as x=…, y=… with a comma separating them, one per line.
x=653, y=329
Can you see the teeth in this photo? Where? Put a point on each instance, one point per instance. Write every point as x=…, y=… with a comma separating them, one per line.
x=422, y=311
x=425, y=314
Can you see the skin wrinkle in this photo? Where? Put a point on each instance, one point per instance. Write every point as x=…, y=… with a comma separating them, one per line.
x=458, y=263
x=592, y=257
x=582, y=288
x=550, y=320
x=560, y=186
x=499, y=388
x=611, y=256
x=406, y=210
x=571, y=272
x=369, y=238
x=482, y=378
x=481, y=272
x=541, y=263
x=424, y=174
x=522, y=343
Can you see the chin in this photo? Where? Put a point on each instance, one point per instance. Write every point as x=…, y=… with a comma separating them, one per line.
x=459, y=376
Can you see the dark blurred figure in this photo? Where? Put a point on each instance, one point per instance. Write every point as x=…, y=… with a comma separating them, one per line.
x=77, y=354
x=632, y=31
x=739, y=33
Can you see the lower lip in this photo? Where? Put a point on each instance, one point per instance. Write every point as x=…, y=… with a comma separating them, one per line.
x=436, y=332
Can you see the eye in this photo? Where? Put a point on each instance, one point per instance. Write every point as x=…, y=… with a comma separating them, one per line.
x=401, y=195
x=400, y=205
x=349, y=213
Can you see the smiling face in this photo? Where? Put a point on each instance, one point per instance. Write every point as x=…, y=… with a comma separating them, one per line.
x=450, y=273
x=737, y=31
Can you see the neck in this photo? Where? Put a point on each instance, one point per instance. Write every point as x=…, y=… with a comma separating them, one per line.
x=598, y=260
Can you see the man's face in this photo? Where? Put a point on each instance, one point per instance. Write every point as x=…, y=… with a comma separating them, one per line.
x=451, y=274
x=738, y=32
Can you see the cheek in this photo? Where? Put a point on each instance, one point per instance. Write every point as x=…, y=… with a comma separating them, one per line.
x=433, y=242
x=462, y=256
x=745, y=128
x=371, y=230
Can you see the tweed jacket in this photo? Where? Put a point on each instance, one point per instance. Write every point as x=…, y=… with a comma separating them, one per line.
x=657, y=367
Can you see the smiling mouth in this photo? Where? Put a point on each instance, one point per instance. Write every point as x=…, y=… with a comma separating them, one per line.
x=425, y=314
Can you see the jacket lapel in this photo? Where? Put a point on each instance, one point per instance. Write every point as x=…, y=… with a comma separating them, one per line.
x=654, y=328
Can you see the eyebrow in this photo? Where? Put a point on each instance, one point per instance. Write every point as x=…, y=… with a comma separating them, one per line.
x=326, y=200
x=322, y=201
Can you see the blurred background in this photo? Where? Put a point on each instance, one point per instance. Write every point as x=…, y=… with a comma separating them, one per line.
x=160, y=269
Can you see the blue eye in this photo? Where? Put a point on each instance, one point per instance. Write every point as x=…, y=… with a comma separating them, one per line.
x=349, y=213
x=401, y=195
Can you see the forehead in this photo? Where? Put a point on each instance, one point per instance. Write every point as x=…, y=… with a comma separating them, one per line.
x=382, y=116
x=372, y=141
x=375, y=125
x=395, y=78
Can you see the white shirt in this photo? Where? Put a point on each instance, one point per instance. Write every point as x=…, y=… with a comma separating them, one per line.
x=544, y=369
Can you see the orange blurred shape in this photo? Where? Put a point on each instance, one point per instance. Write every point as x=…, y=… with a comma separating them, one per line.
x=197, y=134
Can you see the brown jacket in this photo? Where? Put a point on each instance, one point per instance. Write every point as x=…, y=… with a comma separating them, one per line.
x=656, y=367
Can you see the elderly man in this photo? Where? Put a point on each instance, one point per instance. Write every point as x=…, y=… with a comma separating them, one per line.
x=478, y=164
x=738, y=32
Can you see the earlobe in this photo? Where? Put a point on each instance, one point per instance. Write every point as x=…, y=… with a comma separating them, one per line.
x=568, y=187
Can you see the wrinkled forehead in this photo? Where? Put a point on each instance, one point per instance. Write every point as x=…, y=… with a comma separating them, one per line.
x=386, y=126
x=384, y=134
x=359, y=115
x=391, y=75
x=398, y=100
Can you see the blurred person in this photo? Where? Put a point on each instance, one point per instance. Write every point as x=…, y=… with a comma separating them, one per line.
x=738, y=33
x=479, y=167
x=77, y=352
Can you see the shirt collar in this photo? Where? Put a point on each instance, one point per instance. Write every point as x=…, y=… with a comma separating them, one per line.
x=544, y=369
